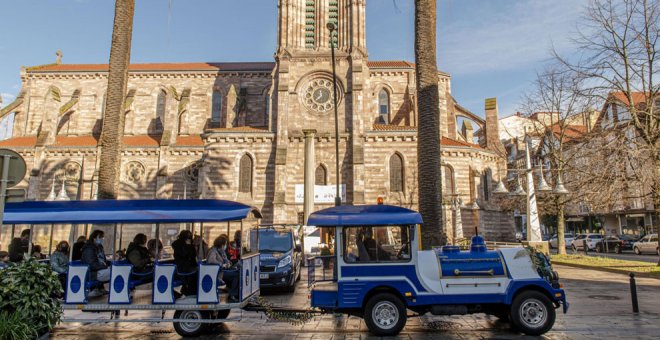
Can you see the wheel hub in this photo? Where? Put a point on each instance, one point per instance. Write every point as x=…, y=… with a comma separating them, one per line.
x=533, y=313
x=190, y=326
x=385, y=314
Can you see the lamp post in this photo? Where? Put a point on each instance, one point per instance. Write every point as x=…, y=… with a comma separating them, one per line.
x=533, y=225
x=332, y=28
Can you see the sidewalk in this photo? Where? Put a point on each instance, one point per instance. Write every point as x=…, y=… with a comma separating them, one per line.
x=600, y=309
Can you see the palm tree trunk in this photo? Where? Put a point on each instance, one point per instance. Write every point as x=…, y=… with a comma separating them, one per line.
x=113, y=118
x=428, y=131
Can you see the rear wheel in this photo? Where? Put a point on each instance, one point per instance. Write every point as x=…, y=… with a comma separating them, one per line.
x=385, y=315
x=191, y=328
x=617, y=249
x=532, y=313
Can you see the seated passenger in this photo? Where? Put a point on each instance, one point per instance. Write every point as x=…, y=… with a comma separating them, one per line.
x=77, y=248
x=185, y=259
x=138, y=255
x=4, y=259
x=218, y=255
x=36, y=253
x=94, y=256
x=19, y=246
x=155, y=247
x=59, y=262
x=234, y=248
x=202, y=251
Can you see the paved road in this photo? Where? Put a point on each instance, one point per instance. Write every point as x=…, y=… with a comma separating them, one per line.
x=600, y=309
x=626, y=255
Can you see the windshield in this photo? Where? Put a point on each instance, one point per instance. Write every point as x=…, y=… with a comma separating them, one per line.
x=275, y=241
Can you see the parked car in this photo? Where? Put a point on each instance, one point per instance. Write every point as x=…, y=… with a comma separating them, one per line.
x=610, y=244
x=568, y=238
x=592, y=240
x=628, y=241
x=280, y=258
x=647, y=244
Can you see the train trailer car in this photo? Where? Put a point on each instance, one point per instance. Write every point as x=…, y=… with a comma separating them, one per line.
x=380, y=272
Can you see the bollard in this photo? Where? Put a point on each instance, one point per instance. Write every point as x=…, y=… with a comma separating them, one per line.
x=585, y=247
x=633, y=293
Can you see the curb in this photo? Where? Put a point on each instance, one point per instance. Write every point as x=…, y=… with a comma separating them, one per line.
x=609, y=270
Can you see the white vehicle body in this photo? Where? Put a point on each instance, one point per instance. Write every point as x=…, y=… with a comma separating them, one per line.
x=647, y=244
x=592, y=240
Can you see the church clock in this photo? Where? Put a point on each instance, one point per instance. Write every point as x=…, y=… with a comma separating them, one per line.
x=317, y=95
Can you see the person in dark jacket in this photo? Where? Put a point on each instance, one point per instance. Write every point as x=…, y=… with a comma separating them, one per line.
x=137, y=254
x=94, y=256
x=77, y=248
x=19, y=246
x=185, y=259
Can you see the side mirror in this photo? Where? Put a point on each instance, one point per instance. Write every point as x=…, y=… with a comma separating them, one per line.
x=298, y=249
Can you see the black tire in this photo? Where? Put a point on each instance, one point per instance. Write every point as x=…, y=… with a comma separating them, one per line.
x=385, y=315
x=532, y=313
x=617, y=249
x=637, y=251
x=599, y=248
x=574, y=248
x=292, y=287
x=191, y=329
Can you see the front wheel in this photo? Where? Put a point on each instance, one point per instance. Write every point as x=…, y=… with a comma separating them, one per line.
x=617, y=249
x=192, y=328
x=637, y=251
x=532, y=313
x=599, y=248
x=385, y=315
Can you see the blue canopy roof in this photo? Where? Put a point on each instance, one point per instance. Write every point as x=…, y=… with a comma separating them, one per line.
x=364, y=215
x=126, y=211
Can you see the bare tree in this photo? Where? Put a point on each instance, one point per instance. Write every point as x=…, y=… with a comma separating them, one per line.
x=561, y=110
x=617, y=41
x=428, y=131
x=113, y=118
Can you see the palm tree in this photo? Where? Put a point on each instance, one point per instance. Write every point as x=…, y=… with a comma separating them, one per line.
x=428, y=131
x=113, y=118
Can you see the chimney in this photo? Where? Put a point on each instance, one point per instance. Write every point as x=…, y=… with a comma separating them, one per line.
x=491, y=130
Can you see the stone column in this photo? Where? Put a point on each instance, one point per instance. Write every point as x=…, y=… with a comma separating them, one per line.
x=310, y=161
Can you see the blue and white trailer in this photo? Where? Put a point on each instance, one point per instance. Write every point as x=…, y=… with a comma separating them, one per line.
x=381, y=272
x=150, y=296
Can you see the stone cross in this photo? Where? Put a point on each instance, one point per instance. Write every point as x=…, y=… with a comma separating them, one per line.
x=58, y=58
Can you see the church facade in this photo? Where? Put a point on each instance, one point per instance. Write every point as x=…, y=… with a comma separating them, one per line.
x=237, y=130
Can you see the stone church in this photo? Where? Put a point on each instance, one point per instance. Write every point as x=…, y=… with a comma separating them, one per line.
x=236, y=130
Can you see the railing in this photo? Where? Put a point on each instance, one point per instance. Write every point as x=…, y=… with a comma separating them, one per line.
x=326, y=264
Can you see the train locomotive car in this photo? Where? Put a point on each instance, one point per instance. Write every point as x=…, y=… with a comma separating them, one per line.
x=380, y=272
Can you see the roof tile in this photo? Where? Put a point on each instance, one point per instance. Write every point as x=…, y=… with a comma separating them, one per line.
x=192, y=140
x=29, y=141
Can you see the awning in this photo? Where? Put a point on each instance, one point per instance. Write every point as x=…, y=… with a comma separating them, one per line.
x=364, y=215
x=126, y=211
x=575, y=219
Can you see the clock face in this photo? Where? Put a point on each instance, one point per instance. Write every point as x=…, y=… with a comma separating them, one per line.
x=321, y=95
x=317, y=96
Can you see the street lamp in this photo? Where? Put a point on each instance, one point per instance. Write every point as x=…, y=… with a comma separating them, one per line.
x=533, y=225
x=332, y=27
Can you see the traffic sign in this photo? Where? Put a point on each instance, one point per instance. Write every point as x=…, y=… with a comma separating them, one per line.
x=17, y=168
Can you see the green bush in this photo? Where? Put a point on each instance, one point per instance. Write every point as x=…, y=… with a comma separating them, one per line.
x=27, y=289
x=14, y=326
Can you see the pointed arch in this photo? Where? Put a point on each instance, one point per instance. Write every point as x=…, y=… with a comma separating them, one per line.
x=161, y=109
x=397, y=174
x=486, y=183
x=245, y=174
x=448, y=180
x=384, y=107
x=216, y=108
x=321, y=175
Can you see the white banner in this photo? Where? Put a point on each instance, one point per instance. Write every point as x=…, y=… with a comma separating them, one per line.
x=322, y=193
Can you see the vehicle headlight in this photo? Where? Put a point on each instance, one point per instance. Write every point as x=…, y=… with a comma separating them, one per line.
x=285, y=261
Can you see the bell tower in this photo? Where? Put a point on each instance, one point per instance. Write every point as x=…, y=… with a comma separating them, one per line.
x=302, y=25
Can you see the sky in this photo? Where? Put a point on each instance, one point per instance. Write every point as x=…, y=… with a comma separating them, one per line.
x=491, y=48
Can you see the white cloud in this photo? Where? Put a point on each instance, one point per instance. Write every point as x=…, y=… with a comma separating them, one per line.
x=6, y=98
x=496, y=40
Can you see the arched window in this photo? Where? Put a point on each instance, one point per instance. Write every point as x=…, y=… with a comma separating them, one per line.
x=396, y=173
x=161, y=109
x=321, y=175
x=267, y=110
x=447, y=180
x=183, y=127
x=485, y=183
x=245, y=174
x=216, y=108
x=384, y=106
